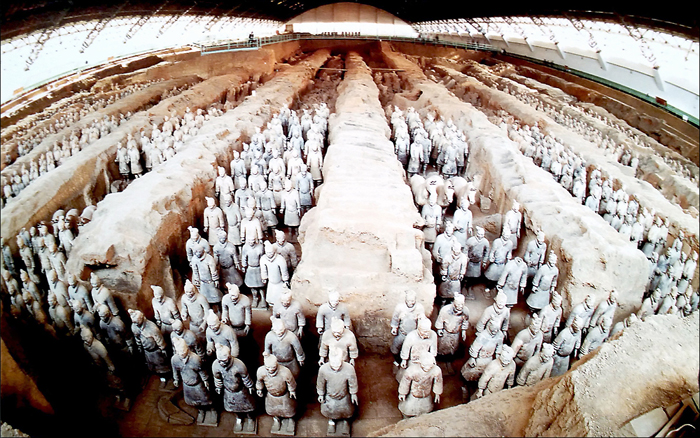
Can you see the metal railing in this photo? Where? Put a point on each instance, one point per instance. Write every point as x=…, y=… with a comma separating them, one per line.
x=254, y=43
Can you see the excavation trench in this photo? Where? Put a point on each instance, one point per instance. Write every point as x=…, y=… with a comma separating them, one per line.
x=137, y=102
x=601, y=393
x=88, y=176
x=493, y=99
x=139, y=231
x=584, y=242
x=675, y=134
x=652, y=167
x=360, y=239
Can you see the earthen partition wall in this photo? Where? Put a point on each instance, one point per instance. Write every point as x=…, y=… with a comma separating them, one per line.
x=137, y=237
x=593, y=257
x=360, y=238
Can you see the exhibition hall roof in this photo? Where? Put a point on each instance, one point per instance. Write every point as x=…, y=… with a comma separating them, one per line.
x=26, y=16
x=641, y=46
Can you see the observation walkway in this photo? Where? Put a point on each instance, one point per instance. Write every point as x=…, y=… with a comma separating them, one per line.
x=255, y=43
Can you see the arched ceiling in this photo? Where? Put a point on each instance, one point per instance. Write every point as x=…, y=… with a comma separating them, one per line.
x=25, y=16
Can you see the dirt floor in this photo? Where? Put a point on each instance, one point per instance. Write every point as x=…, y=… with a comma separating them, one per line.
x=378, y=398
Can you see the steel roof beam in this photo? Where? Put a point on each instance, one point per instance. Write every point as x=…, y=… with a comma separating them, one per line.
x=141, y=21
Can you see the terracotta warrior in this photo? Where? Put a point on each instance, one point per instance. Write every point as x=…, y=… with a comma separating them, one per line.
x=477, y=249
x=444, y=243
x=405, y=320
x=304, y=185
x=417, y=386
x=605, y=309
x=114, y=330
x=537, y=368
x=452, y=270
x=102, y=295
x=195, y=239
x=285, y=345
x=57, y=259
x=512, y=220
x=567, y=342
x=332, y=308
x=498, y=312
x=273, y=271
x=462, y=220
x=290, y=205
x=77, y=291
x=238, y=170
x=58, y=288
x=487, y=344
x=544, y=284
x=535, y=254
x=150, y=342
x=583, y=311
x=337, y=387
x=231, y=377
x=527, y=342
x=188, y=369
x=265, y=200
x=289, y=311
x=164, y=311
x=650, y=305
x=451, y=325
x=96, y=349
x=12, y=288
x=287, y=250
x=251, y=254
x=219, y=333
x=432, y=218
x=34, y=304
x=194, y=344
x=223, y=185
x=418, y=341
x=551, y=317
x=81, y=317
x=620, y=326
x=341, y=338
x=236, y=310
x=513, y=280
x=252, y=226
x=233, y=216
x=596, y=335
x=226, y=258
x=497, y=374
x=689, y=266
x=194, y=307
x=27, y=256
x=60, y=316
x=501, y=252
x=205, y=275
x=280, y=401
